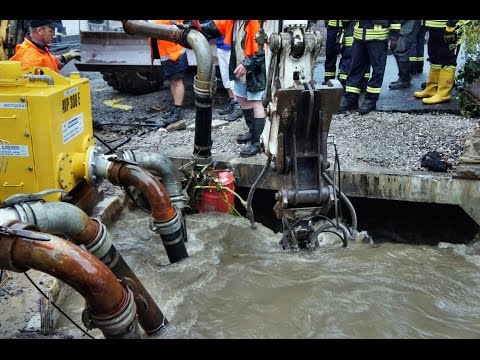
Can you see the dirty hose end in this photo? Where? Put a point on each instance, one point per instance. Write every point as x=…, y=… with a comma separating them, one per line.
x=172, y=234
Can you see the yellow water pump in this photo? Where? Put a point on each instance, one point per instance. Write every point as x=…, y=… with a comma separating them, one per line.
x=45, y=130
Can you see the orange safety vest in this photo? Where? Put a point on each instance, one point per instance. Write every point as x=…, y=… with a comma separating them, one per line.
x=30, y=55
x=226, y=29
x=168, y=49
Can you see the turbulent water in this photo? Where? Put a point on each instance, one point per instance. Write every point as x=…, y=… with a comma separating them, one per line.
x=238, y=283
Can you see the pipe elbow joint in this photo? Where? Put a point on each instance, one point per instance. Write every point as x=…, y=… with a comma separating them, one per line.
x=184, y=36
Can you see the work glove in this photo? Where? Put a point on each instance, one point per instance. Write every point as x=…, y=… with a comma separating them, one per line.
x=450, y=35
x=72, y=54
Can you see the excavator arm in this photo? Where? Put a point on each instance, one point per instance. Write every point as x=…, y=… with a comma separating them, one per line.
x=299, y=113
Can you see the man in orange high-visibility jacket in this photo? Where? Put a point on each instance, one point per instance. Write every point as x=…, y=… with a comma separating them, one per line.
x=34, y=51
x=248, y=72
x=173, y=58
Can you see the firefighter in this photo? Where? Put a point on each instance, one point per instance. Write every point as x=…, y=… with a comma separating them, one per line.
x=370, y=47
x=417, y=50
x=346, y=55
x=407, y=34
x=248, y=73
x=34, y=51
x=332, y=47
x=442, y=53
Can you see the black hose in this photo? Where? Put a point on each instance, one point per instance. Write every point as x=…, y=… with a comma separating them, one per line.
x=337, y=161
x=252, y=191
x=104, y=143
x=344, y=198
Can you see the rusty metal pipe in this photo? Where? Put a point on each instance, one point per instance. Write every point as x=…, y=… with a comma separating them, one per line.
x=189, y=38
x=165, y=221
x=152, y=188
x=204, y=82
x=162, y=166
x=106, y=298
x=76, y=225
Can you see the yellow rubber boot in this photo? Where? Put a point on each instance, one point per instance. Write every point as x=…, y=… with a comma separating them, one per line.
x=445, y=85
x=432, y=84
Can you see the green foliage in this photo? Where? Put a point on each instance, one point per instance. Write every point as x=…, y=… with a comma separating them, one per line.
x=470, y=40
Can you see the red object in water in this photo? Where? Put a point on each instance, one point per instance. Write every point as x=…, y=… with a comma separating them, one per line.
x=219, y=200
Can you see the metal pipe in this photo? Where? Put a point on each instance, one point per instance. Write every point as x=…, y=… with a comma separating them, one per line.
x=165, y=219
x=110, y=305
x=162, y=166
x=204, y=82
x=189, y=38
x=76, y=225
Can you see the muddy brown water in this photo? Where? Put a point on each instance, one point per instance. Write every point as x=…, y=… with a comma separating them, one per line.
x=239, y=283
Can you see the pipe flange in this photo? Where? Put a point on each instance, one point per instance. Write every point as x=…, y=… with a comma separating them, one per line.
x=90, y=175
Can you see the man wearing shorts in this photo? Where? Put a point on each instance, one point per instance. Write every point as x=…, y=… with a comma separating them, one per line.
x=173, y=58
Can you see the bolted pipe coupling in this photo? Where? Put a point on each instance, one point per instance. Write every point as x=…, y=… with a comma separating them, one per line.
x=172, y=234
x=122, y=325
x=102, y=244
x=204, y=89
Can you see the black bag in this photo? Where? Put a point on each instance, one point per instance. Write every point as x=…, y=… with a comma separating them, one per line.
x=256, y=72
x=432, y=160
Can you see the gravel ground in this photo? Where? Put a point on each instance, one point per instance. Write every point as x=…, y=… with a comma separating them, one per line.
x=391, y=140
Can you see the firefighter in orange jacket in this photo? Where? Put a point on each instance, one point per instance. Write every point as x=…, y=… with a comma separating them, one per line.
x=34, y=51
x=173, y=58
x=249, y=78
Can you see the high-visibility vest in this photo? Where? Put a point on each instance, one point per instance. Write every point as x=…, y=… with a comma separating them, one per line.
x=372, y=29
x=168, y=49
x=31, y=55
x=226, y=29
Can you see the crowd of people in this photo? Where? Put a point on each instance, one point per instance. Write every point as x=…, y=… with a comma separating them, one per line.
x=363, y=47
x=360, y=48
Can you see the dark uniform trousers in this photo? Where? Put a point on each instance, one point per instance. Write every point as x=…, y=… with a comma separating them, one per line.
x=438, y=51
x=364, y=54
x=346, y=59
x=332, y=50
x=417, y=50
x=408, y=35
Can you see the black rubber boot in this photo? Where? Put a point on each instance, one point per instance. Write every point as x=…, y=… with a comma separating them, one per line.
x=404, y=77
x=349, y=102
x=254, y=148
x=245, y=138
x=367, y=106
